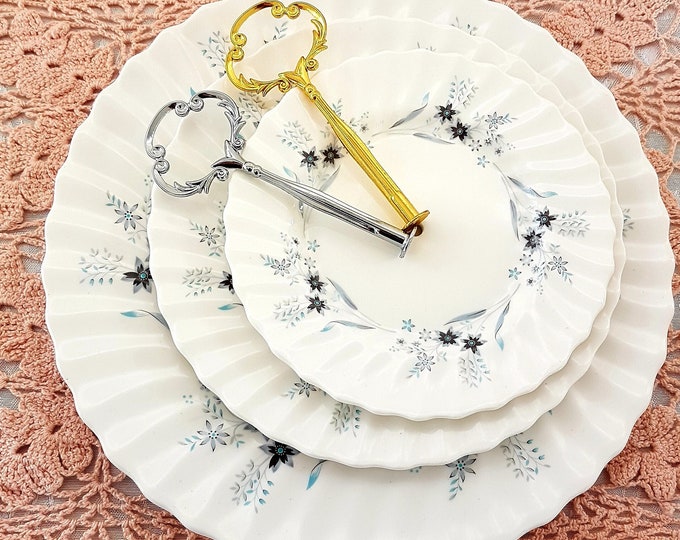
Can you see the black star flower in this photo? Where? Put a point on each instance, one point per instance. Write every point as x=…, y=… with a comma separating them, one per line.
x=534, y=239
x=227, y=282
x=545, y=218
x=459, y=131
x=472, y=342
x=309, y=159
x=315, y=284
x=449, y=337
x=445, y=113
x=316, y=304
x=330, y=154
x=140, y=278
x=281, y=453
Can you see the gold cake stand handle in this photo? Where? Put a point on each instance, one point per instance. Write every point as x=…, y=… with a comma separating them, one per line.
x=299, y=78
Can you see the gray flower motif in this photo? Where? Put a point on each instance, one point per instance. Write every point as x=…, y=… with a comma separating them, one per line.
x=462, y=466
x=558, y=265
x=425, y=362
x=475, y=145
x=281, y=267
x=209, y=236
x=127, y=216
x=303, y=387
x=424, y=334
x=526, y=259
x=213, y=435
x=493, y=120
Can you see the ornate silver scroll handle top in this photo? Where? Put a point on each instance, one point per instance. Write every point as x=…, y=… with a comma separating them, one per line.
x=232, y=160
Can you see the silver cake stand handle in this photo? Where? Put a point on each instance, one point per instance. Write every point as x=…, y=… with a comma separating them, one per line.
x=232, y=160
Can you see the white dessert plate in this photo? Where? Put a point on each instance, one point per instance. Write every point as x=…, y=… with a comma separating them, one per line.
x=157, y=423
x=197, y=298
x=506, y=279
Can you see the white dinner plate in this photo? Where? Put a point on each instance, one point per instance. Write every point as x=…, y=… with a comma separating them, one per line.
x=156, y=422
x=506, y=279
x=196, y=295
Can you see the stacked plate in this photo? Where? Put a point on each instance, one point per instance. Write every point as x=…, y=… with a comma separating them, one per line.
x=262, y=370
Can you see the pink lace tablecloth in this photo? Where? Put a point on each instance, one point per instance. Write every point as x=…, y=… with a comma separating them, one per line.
x=57, y=55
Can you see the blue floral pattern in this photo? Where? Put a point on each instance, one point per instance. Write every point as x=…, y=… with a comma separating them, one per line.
x=523, y=457
x=253, y=484
x=535, y=226
x=132, y=217
x=298, y=266
x=460, y=468
x=221, y=427
x=302, y=388
x=345, y=418
x=220, y=430
x=199, y=281
x=481, y=133
x=319, y=166
x=103, y=267
x=205, y=280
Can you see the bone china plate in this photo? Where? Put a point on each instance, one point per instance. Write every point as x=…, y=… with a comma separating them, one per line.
x=209, y=327
x=490, y=300
x=151, y=413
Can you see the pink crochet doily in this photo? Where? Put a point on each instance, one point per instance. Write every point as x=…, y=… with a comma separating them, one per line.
x=55, y=57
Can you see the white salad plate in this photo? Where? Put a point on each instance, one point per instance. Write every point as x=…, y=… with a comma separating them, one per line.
x=506, y=279
x=197, y=298
x=186, y=451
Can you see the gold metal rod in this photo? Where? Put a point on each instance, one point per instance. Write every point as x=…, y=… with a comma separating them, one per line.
x=299, y=78
x=367, y=161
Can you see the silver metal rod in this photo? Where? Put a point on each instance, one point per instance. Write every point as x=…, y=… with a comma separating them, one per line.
x=232, y=160
x=323, y=202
